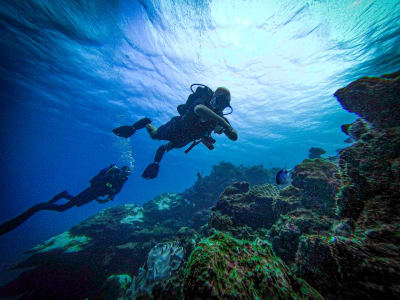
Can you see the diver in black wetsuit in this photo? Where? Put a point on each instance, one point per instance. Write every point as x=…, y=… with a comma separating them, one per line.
x=108, y=182
x=198, y=118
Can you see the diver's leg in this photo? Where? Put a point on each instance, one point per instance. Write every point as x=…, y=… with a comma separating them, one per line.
x=18, y=220
x=59, y=207
x=152, y=170
x=141, y=123
x=63, y=194
x=126, y=131
x=152, y=131
x=161, y=150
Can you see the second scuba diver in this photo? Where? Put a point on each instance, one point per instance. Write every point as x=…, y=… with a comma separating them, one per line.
x=202, y=114
x=108, y=182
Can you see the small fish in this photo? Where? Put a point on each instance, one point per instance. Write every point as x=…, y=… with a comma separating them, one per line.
x=282, y=177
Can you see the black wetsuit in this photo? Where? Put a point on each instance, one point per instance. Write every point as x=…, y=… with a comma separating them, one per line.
x=181, y=130
x=109, y=181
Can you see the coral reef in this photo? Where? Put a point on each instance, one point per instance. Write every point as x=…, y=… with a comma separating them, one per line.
x=356, y=129
x=206, y=190
x=167, y=206
x=375, y=99
x=118, y=240
x=240, y=206
x=316, y=152
x=115, y=287
x=318, y=181
x=222, y=267
x=361, y=257
x=308, y=206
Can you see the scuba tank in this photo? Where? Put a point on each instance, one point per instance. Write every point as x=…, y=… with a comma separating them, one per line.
x=201, y=91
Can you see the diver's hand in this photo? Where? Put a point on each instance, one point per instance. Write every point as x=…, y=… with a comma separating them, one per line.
x=231, y=133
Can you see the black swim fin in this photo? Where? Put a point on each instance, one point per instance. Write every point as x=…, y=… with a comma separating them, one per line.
x=127, y=131
x=124, y=131
x=151, y=171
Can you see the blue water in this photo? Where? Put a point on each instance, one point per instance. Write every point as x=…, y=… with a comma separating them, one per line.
x=71, y=71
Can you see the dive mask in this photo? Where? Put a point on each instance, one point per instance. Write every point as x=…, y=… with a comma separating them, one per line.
x=220, y=103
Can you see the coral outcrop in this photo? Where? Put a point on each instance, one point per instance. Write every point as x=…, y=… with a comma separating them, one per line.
x=318, y=181
x=308, y=206
x=316, y=152
x=356, y=129
x=206, y=190
x=373, y=98
x=241, y=209
x=361, y=257
x=222, y=267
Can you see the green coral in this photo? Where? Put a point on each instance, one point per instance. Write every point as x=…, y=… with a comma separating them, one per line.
x=224, y=267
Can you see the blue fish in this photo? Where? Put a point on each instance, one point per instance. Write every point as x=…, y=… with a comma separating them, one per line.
x=282, y=177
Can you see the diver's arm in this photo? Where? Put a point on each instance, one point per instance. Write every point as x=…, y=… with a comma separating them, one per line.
x=231, y=134
x=206, y=113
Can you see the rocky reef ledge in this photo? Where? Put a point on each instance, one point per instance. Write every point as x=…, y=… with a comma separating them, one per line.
x=333, y=233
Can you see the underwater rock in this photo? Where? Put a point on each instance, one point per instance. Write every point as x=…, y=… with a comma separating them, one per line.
x=167, y=206
x=374, y=99
x=240, y=206
x=361, y=257
x=308, y=206
x=371, y=178
x=316, y=152
x=348, y=268
x=65, y=242
x=318, y=181
x=222, y=267
x=356, y=129
x=284, y=235
x=289, y=200
x=206, y=190
x=115, y=287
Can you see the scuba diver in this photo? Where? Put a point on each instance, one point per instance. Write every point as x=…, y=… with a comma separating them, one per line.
x=108, y=182
x=202, y=114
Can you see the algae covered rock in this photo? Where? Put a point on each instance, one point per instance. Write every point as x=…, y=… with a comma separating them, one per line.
x=371, y=177
x=222, y=267
x=115, y=287
x=286, y=232
x=361, y=257
x=206, y=190
x=240, y=206
x=318, y=181
x=373, y=98
x=356, y=129
x=308, y=206
x=166, y=206
x=349, y=268
x=316, y=152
